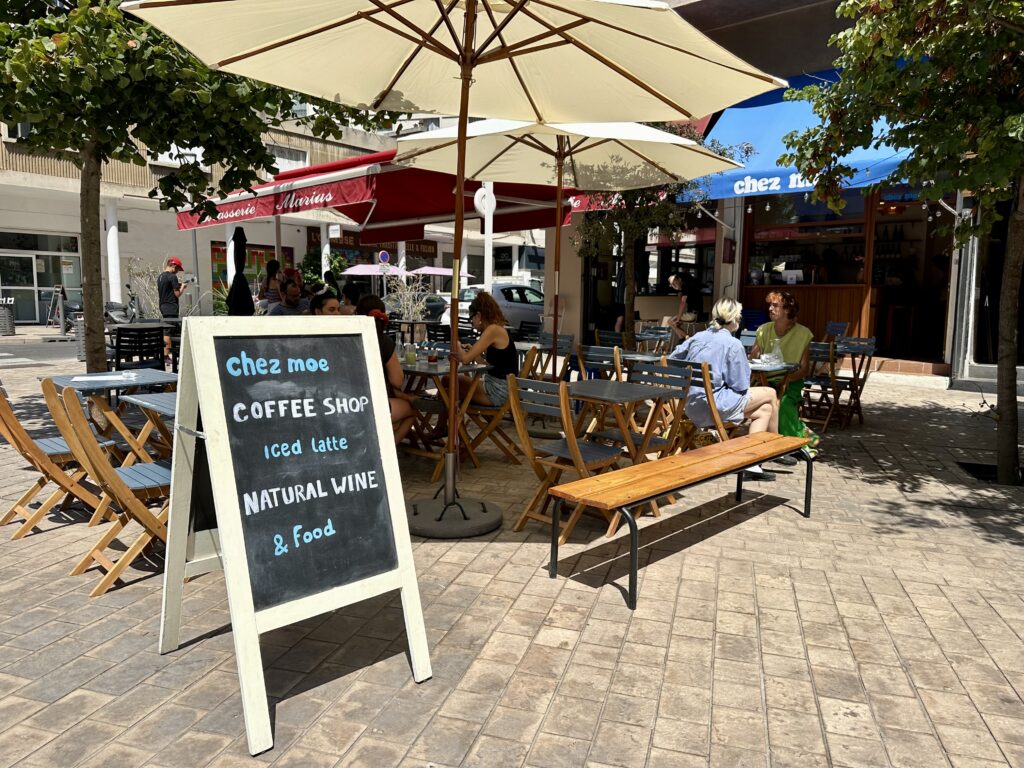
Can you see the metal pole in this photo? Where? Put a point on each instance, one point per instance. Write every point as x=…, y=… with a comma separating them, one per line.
x=560, y=167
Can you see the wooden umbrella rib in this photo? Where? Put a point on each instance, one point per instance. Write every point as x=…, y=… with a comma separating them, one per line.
x=500, y=55
x=412, y=154
x=172, y=3
x=534, y=143
x=426, y=39
x=621, y=71
x=498, y=28
x=646, y=38
x=505, y=51
x=407, y=63
x=515, y=70
x=444, y=13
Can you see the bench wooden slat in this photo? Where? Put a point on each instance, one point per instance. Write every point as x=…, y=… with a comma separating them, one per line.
x=624, y=487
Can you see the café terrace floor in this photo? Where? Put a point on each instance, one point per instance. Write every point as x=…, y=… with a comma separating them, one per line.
x=887, y=629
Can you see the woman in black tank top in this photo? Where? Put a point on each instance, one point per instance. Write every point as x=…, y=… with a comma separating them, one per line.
x=495, y=348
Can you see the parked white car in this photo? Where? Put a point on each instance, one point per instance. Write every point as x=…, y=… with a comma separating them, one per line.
x=518, y=302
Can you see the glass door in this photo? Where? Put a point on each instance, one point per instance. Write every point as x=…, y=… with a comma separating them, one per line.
x=17, y=280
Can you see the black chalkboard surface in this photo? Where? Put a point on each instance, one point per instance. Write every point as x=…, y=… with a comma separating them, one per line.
x=307, y=463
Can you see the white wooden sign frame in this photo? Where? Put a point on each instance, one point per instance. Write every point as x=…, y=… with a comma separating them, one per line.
x=189, y=556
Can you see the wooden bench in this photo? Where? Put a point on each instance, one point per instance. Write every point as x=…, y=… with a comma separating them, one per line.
x=643, y=483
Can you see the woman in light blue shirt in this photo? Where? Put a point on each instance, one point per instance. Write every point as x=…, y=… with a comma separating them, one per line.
x=735, y=399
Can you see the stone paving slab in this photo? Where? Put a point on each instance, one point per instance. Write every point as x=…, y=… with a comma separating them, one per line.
x=888, y=629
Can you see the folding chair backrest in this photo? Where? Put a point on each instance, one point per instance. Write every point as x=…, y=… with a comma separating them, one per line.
x=569, y=428
x=601, y=359
x=668, y=376
x=748, y=338
x=58, y=412
x=14, y=433
x=138, y=346
x=105, y=474
x=532, y=397
x=467, y=333
x=565, y=349
x=822, y=356
x=529, y=362
x=528, y=330
x=438, y=332
x=834, y=329
x=861, y=351
x=701, y=376
x=609, y=338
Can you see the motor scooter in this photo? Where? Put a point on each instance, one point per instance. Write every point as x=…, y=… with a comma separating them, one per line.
x=116, y=312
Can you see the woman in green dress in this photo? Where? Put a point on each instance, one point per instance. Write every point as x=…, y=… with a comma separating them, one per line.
x=794, y=341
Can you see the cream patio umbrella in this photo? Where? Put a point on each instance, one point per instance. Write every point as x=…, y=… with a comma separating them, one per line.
x=584, y=156
x=537, y=60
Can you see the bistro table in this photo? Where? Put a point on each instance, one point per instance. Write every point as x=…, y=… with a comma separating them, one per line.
x=418, y=374
x=96, y=386
x=617, y=397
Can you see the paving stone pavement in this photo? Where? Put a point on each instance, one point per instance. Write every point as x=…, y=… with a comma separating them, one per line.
x=888, y=629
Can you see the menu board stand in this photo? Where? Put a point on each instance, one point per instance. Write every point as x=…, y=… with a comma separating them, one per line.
x=310, y=515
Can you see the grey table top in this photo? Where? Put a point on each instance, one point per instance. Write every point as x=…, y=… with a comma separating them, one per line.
x=620, y=391
x=639, y=357
x=90, y=383
x=164, y=403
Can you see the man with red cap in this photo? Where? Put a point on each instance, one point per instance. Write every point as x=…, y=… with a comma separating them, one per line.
x=169, y=289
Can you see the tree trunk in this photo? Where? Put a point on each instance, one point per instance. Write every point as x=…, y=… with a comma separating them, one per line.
x=92, y=260
x=1008, y=457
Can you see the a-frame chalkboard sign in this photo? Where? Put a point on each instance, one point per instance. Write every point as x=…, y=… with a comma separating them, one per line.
x=283, y=427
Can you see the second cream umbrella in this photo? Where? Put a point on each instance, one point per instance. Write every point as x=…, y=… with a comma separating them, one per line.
x=584, y=156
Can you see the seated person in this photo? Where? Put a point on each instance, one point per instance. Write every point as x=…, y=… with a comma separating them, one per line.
x=350, y=295
x=794, y=340
x=403, y=414
x=291, y=300
x=735, y=399
x=495, y=348
x=325, y=303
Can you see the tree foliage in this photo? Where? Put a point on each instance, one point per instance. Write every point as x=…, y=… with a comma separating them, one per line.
x=944, y=78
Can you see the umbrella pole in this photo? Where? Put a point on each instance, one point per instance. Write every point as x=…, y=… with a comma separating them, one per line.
x=428, y=517
x=560, y=166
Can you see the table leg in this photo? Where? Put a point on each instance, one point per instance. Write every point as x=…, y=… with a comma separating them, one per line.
x=136, y=443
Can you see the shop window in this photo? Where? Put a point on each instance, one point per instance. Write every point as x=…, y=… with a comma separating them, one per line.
x=29, y=241
x=288, y=158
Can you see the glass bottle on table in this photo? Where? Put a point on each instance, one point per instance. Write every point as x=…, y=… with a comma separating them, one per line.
x=776, y=353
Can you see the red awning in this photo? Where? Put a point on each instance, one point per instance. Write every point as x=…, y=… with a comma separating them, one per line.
x=388, y=202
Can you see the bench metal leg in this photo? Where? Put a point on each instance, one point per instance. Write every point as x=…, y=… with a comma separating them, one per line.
x=634, y=556
x=808, y=482
x=739, y=485
x=556, y=518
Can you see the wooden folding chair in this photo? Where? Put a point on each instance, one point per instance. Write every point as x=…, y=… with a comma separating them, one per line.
x=550, y=459
x=861, y=351
x=718, y=430
x=822, y=388
x=564, y=348
x=490, y=419
x=56, y=463
x=128, y=489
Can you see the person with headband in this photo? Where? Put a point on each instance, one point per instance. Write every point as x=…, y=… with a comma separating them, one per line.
x=795, y=342
x=735, y=399
x=403, y=414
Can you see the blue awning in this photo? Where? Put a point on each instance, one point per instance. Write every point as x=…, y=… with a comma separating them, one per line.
x=762, y=122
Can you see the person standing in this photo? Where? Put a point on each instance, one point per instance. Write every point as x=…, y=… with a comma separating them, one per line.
x=169, y=290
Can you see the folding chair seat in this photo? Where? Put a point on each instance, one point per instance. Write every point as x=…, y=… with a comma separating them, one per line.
x=128, y=488
x=490, y=419
x=609, y=339
x=550, y=459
